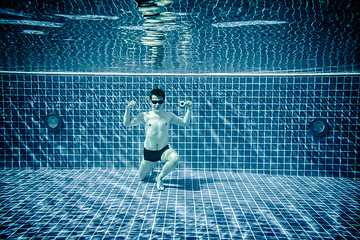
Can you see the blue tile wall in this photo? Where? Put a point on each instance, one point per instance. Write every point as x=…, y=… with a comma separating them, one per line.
x=252, y=124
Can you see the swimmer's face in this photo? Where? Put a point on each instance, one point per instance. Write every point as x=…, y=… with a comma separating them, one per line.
x=157, y=103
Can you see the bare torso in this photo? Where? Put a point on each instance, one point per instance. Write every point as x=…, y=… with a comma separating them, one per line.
x=156, y=130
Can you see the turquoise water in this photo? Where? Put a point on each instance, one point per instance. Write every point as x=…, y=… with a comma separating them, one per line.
x=172, y=36
x=258, y=73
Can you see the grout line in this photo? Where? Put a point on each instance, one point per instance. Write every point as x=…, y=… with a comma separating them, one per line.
x=186, y=74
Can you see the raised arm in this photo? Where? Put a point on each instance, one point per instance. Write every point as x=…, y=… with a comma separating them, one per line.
x=186, y=119
x=128, y=119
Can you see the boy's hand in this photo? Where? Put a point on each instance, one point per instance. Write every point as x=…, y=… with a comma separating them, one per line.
x=130, y=105
x=188, y=104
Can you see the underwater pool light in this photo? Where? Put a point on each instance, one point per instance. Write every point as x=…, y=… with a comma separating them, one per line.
x=53, y=121
x=319, y=127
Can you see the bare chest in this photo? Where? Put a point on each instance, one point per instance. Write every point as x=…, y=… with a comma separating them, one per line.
x=154, y=121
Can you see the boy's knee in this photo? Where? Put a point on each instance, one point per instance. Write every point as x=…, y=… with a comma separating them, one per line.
x=174, y=158
x=142, y=176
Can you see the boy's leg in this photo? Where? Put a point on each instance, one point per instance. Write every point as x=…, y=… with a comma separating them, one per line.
x=171, y=157
x=145, y=168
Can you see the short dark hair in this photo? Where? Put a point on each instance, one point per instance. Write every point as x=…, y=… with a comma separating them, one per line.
x=157, y=92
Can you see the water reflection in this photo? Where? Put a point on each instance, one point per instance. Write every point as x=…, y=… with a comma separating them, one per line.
x=178, y=36
x=158, y=22
x=156, y=18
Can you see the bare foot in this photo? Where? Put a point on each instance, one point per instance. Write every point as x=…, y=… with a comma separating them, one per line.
x=159, y=184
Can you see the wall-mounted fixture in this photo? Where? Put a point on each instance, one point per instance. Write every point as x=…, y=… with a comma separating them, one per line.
x=182, y=104
x=319, y=127
x=53, y=121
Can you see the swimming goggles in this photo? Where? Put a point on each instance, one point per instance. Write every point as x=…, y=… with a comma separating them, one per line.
x=159, y=102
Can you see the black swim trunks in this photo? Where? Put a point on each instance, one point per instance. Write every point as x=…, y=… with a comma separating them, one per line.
x=154, y=156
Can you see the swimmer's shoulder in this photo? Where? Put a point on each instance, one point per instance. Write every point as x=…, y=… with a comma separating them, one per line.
x=167, y=114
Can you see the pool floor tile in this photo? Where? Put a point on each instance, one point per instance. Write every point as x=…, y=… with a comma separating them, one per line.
x=115, y=204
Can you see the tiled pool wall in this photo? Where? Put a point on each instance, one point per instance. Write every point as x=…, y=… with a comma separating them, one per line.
x=250, y=124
